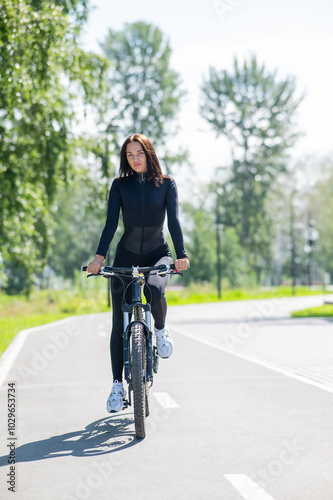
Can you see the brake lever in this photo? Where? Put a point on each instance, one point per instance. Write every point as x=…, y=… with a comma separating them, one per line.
x=177, y=272
x=90, y=275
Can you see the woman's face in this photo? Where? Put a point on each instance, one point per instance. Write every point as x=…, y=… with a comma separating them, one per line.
x=136, y=157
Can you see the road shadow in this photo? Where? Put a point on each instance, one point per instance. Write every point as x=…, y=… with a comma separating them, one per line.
x=104, y=436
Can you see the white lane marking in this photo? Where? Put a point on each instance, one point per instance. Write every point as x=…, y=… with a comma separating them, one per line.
x=249, y=489
x=263, y=363
x=10, y=354
x=166, y=400
x=8, y=357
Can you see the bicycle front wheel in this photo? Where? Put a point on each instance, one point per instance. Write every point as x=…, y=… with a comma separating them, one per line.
x=138, y=356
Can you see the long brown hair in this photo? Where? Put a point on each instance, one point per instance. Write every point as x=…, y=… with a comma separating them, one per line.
x=154, y=171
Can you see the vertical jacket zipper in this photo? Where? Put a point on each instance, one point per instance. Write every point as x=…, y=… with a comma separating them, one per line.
x=143, y=215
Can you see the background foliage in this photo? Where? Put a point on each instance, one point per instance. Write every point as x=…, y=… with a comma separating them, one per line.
x=260, y=221
x=43, y=75
x=144, y=92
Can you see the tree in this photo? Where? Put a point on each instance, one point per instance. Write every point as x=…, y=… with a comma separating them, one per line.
x=78, y=217
x=320, y=206
x=229, y=254
x=44, y=74
x=200, y=238
x=296, y=205
x=144, y=92
x=255, y=113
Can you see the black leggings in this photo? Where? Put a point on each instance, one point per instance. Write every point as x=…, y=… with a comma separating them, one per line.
x=156, y=296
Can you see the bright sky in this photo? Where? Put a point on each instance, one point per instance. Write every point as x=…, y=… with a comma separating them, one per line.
x=296, y=37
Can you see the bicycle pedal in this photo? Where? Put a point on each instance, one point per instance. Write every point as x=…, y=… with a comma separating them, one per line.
x=126, y=404
x=156, y=359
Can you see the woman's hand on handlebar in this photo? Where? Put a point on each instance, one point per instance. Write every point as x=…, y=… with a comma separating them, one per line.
x=182, y=264
x=95, y=265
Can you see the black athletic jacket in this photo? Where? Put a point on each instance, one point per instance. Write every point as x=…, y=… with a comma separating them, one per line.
x=143, y=208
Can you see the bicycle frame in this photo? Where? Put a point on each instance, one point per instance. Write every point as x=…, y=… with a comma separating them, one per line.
x=135, y=309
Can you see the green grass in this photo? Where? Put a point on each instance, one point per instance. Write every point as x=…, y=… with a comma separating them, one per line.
x=18, y=313
x=197, y=294
x=324, y=311
x=10, y=326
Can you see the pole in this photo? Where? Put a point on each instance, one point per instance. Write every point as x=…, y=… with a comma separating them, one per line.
x=218, y=245
x=311, y=241
x=292, y=246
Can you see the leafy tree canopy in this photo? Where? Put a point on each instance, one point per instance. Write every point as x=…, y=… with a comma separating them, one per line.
x=44, y=74
x=144, y=92
x=256, y=113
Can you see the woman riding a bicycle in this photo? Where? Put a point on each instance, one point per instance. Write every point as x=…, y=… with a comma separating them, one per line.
x=144, y=195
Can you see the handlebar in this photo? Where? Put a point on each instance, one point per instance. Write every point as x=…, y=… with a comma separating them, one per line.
x=134, y=271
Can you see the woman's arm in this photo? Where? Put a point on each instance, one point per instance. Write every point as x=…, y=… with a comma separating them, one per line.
x=110, y=227
x=174, y=227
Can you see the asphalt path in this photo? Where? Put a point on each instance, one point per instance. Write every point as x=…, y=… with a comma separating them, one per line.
x=228, y=421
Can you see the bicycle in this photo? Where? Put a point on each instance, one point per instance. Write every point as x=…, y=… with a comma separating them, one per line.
x=140, y=353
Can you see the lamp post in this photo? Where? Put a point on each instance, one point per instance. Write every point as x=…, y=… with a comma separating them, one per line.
x=312, y=236
x=292, y=243
x=219, y=229
x=221, y=174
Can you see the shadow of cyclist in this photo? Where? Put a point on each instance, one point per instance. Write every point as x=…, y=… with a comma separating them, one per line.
x=107, y=435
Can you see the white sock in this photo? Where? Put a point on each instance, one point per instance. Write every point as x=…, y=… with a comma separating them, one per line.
x=159, y=331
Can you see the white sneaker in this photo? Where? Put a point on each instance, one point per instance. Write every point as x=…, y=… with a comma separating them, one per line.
x=115, y=400
x=164, y=343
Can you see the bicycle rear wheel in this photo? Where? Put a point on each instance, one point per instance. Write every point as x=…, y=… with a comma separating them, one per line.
x=138, y=356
